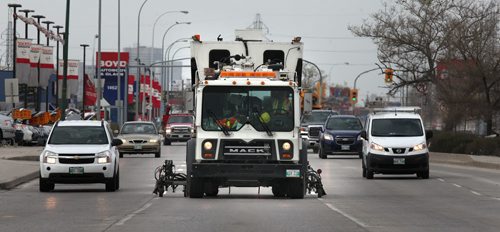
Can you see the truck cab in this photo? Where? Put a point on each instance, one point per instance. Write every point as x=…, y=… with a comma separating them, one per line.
x=247, y=116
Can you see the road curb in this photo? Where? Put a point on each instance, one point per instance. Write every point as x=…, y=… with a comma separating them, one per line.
x=461, y=160
x=20, y=180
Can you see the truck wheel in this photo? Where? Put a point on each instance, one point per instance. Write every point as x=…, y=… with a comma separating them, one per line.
x=195, y=188
x=296, y=189
x=279, y=189
x=45, y=186
x=211, y=189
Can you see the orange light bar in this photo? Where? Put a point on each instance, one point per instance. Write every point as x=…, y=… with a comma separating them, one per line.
x=247, y=74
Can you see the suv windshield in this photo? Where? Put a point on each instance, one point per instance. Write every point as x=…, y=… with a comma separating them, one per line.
x=180, y=119
x=396, y=127
x=138, y=128
x=78, y=135
x=318, y=117
x=344, y=124
x=234, y=107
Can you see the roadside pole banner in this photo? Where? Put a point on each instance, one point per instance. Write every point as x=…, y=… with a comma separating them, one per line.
x=143, y=87
x=90, y=92
x=34, y=60
x=156, y=94
x=46, y=65
x=109, y=72
x=23, y=49
x=131, y=80
x=72, y=78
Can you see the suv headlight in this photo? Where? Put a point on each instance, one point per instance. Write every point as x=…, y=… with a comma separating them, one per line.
x=376, y=147
x=103, y=157
x=328, y=137
x=49, y=157
x=419, y=147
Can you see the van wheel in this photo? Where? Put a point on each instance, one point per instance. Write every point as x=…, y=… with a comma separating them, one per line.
x=423, y=174
x=45, y=186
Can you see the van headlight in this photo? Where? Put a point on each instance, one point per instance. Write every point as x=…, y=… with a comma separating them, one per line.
x=376, y=147
x=419, y=147
x=103, y=157
x=328, y=137
x=49, y=157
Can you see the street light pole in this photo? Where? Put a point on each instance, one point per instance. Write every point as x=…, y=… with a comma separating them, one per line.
x=14, y=16
x=154, y=26
x=65, y=58
x=99, y=89
x=118, y=71
x=26, y=12
x=57, y=27
x=84, y=46
x=47, y=88
x=138, y=77
x=38, y=100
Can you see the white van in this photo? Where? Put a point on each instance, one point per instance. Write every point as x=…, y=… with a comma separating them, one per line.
x=395, y=142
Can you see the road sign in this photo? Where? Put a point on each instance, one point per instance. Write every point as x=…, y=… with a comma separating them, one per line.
x=11, y=91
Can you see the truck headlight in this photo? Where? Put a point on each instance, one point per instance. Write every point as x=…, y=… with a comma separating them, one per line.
x=419, y=147
x=168, y=130
x=376, y=147
x=49, y=157
x=103, y=157
x=286, y=146
x=207, y=145
x=328, y=137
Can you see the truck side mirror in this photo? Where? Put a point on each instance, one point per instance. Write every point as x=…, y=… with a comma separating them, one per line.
x=428, y=134
x=363, y=135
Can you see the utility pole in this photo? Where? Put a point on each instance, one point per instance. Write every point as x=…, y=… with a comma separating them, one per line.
x=84, y=46
x=47, y=88
x=14, y=15
x=57, y=27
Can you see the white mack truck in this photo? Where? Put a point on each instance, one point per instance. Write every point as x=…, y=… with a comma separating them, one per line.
x=247, y=109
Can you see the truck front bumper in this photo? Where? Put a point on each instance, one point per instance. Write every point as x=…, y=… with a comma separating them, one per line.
x=247, y=171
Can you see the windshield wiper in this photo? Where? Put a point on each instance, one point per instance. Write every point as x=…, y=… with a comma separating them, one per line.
x=264, y=125
x=214, y=117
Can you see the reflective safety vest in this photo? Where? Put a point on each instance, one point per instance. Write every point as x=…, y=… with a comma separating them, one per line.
x=280, y=106
x=229, y=122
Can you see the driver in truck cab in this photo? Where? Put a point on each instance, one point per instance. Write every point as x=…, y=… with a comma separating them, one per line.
x=281, y=103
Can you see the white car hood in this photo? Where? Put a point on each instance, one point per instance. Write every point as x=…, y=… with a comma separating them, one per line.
x=401, y=142
x=77, y=149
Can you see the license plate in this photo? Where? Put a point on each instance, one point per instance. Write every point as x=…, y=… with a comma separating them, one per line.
x=345, y=147
x=292, y=173
x=76, y=170
x=399, y=161
x=137, y=147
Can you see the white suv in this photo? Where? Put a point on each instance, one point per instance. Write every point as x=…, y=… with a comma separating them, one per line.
x=80, y=152
x=395, y=142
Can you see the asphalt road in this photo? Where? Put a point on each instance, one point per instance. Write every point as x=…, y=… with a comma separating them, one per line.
x=453, y=199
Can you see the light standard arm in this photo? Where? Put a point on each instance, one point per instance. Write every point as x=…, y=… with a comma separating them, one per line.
x=163, y=45
x=154, y=26
x=137, y=78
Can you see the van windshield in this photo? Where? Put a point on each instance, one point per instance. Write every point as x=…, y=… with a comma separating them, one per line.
x=397, y=127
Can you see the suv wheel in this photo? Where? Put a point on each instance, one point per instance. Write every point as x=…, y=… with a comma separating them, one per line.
x=111, y=183
x=45, y=185
x=364, y=168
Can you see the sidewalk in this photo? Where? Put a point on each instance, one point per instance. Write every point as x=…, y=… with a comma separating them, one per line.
x=20, y=164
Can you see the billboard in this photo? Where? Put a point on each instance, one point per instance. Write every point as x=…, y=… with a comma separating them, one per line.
x=109, y=72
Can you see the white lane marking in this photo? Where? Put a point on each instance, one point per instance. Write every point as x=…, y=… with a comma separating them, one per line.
x=476, y=193
x=458, y=186
x=130, y=216
x=355, y=220
x=440, y=179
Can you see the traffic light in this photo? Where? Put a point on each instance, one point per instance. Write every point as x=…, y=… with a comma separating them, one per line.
x=354, y=96
x=389, y=72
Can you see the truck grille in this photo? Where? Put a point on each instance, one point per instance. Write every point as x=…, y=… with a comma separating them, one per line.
x=253, y=150
x=345, y=140
x=314, y=131
x=181, y=130
x=76, y=158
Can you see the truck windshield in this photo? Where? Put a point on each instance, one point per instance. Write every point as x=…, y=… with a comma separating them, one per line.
x=316, y=117
x=344, y=124
x=78, y=135
x=396, y=127
x=180, y=119
x=236, y=106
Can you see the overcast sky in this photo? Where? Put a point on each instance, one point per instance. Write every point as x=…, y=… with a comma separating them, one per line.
x=321, y=23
